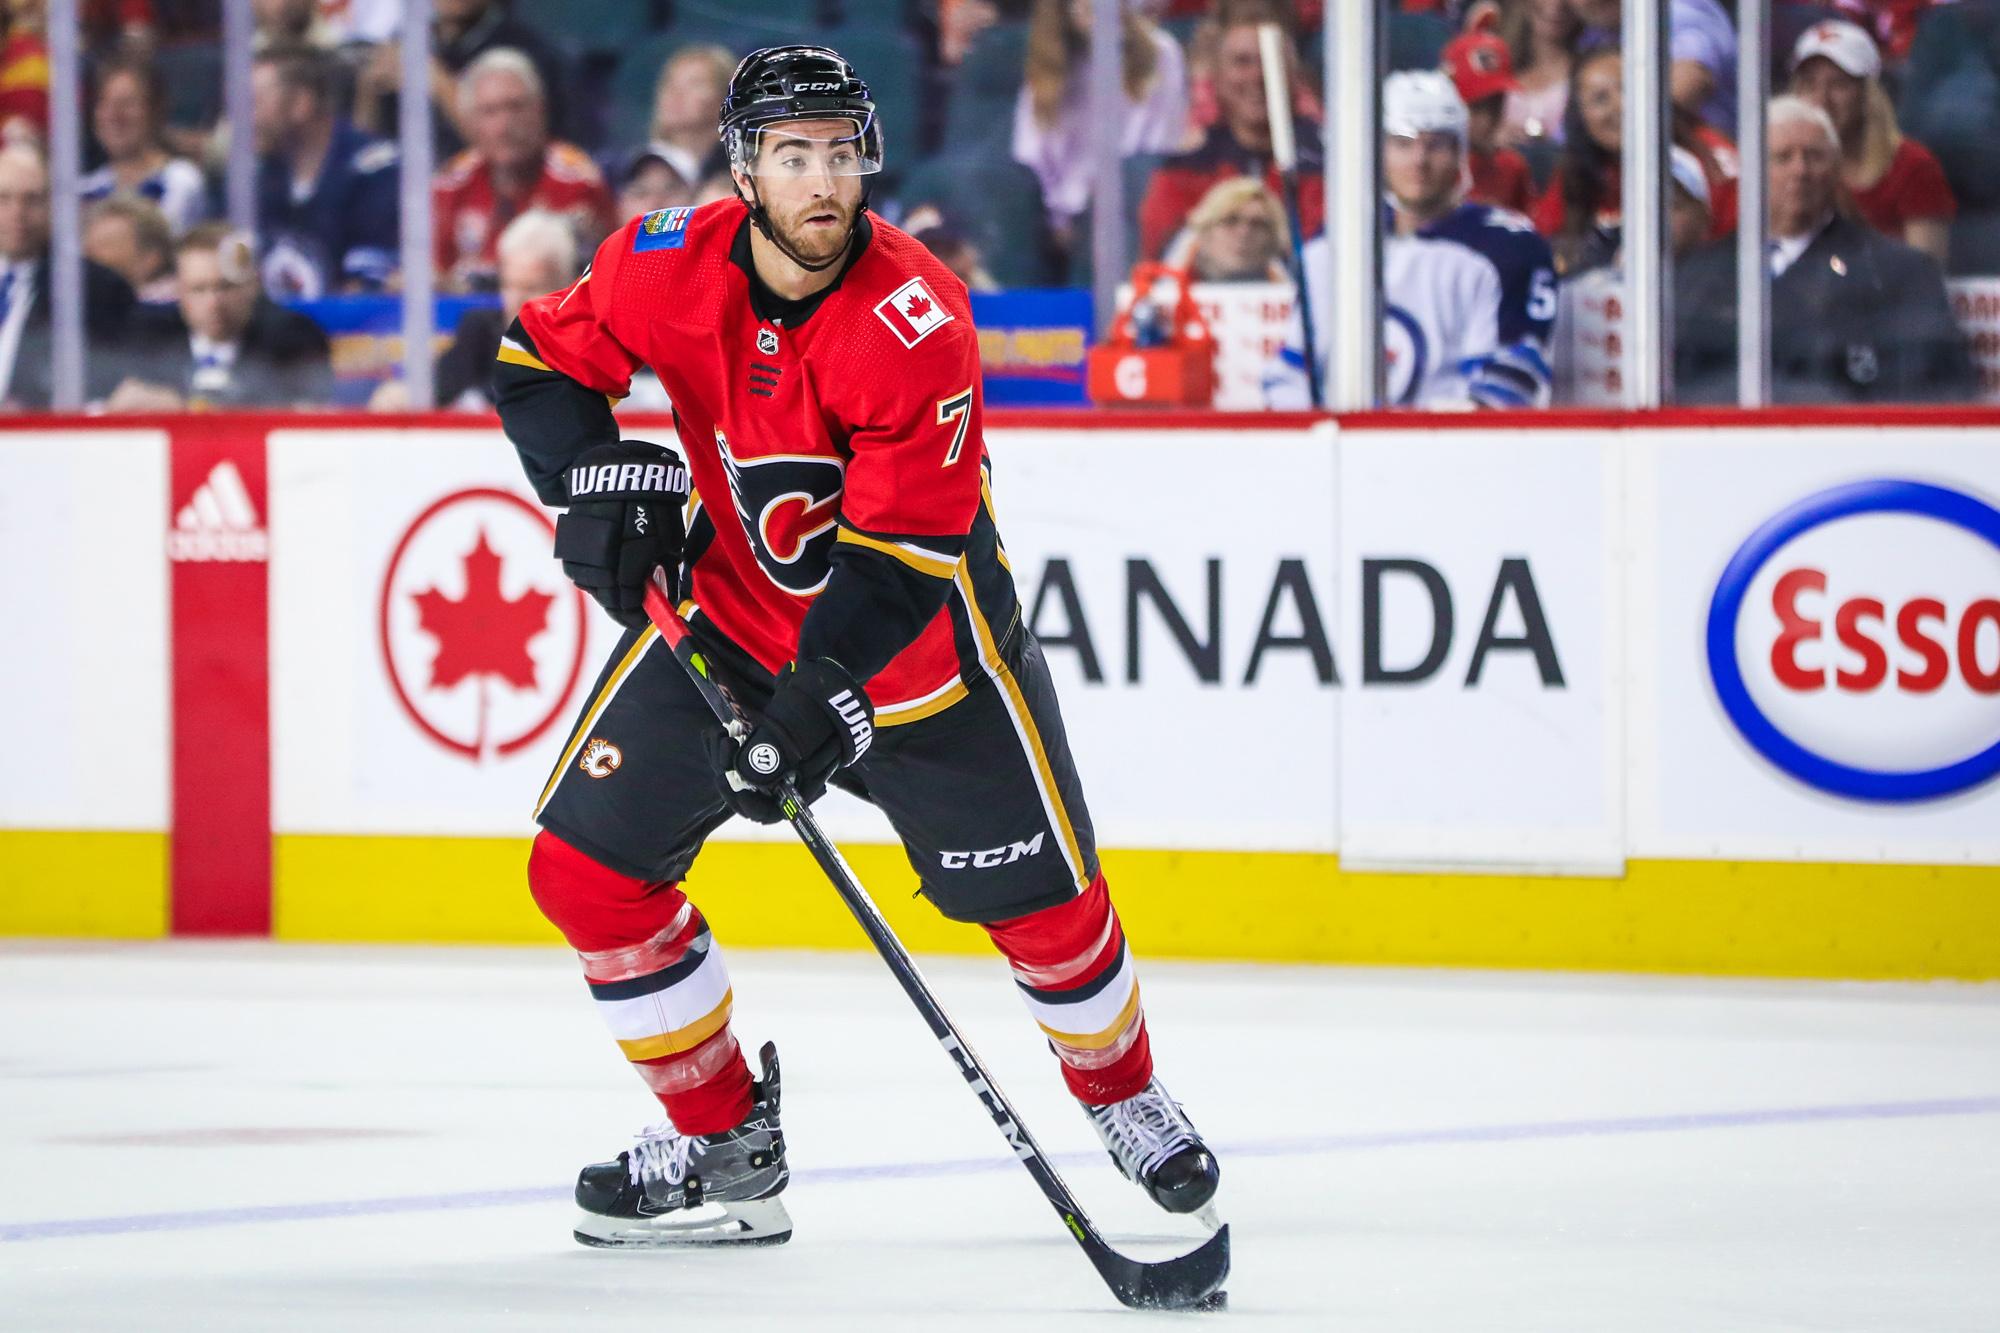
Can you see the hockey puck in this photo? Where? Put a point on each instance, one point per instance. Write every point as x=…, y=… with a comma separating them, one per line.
x=1215, y=1300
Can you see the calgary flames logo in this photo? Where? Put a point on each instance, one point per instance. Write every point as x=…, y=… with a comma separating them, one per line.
x=788, y=504
x=600, y=758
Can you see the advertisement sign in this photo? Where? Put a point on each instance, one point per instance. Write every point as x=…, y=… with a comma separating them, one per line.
x=1480, y=719
x=1817, y=666
x=83, y=739
x=1188, y=632
x=1032, y=343
x=429, y=651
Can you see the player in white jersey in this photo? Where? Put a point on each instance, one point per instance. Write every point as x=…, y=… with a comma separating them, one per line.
x=1468, y=290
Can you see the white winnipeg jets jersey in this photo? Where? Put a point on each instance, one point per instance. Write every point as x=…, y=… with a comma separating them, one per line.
x=1468, y=301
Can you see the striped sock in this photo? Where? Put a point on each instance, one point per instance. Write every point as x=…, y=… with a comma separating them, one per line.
x=1076, y=975
x=665, y=996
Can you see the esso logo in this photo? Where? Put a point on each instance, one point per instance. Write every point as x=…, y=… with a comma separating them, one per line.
x=1854, y=641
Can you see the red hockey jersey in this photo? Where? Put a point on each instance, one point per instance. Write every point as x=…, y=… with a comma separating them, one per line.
x=841, y=499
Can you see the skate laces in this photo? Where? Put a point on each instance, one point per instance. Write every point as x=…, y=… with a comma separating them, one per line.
x=1145, y=1129
x=661, y=1153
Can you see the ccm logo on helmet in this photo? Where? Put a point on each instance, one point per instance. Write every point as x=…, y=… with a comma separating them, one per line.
x=992, y=856
x=1854, y=640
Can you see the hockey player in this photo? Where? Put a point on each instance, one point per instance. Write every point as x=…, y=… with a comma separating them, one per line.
x=1468, y=290
x=841, y=568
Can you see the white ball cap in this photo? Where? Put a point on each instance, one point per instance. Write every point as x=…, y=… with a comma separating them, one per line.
x=1422, y=101
x=1844, y=44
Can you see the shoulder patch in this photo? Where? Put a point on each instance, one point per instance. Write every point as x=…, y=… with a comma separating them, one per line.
x=913, y=312
x=663, y=229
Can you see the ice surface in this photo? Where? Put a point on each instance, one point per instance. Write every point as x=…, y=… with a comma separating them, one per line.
x=257, y=1136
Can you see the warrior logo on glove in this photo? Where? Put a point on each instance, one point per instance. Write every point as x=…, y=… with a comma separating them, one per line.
x=624, y=521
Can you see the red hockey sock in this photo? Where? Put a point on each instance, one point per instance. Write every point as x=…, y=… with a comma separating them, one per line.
x=658, y=980
x=1072, y=967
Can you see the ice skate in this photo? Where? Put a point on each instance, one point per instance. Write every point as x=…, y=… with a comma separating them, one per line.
x=1153, y=1142
x=694, y=1189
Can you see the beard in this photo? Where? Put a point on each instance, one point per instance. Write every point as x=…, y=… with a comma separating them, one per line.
x=817, y=244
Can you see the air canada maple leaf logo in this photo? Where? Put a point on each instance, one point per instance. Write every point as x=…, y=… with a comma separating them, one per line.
x=482, y=639
x=483, y=632
x=918, y=306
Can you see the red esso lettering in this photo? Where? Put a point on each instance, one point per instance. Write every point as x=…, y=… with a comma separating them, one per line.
x=1861, y=623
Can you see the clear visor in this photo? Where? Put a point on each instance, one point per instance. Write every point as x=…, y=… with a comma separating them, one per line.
x=803, y=151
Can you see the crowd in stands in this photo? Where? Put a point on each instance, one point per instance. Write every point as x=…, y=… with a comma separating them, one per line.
x=553, y=123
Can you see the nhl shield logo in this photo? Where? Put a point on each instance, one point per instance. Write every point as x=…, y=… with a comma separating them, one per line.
x=767, y=341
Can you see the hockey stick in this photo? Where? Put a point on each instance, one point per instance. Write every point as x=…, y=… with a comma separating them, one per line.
x=1193, y=1279
x=1285, y=156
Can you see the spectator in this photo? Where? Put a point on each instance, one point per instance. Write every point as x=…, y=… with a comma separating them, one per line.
x=1238, y=144
x=1896, y=185
x=1543, y=41
x=1891, y=24
x=24, y=290
x=1582, y=211
x=684, y=109
x=327, y=194
x=288, y=24
x=132, y=239
x=24, y=73
x=1855, y=317
x=1701, y=45
x=462, y=31
x=130, y=107
x=719, y=186
x=1482, y=69
x=1468, y=290
x=227, y=345
x=957, y=252
x=538, y=254
x=512, y=166
x=1053, y=129
x=1237, y=233
x=648, y=183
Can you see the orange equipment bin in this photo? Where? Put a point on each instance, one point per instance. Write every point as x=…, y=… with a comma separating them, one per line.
x=1149, y=359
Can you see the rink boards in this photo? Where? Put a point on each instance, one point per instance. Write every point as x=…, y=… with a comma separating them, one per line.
x=1689, y=692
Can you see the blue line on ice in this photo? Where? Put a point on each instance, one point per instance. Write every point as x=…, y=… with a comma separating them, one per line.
x=202, y=1219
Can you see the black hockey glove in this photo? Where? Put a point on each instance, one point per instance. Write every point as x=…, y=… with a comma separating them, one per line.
x=819, y=720
x=624, y=518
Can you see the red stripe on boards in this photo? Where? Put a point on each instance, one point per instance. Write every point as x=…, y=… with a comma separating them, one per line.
x=218, y=545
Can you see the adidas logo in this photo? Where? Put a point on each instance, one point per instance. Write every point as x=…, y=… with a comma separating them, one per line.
x=219, y=522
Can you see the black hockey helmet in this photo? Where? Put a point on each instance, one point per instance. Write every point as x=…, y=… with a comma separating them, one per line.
x=790, y=83
x=781, y=83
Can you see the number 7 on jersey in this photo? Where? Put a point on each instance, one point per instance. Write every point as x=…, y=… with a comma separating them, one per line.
x=956, y=408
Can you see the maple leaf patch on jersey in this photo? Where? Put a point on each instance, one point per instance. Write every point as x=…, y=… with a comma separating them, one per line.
x=913, y=312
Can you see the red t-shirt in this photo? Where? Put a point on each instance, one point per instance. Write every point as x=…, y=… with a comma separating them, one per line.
x=1502, y=178
x=1913, y=187
x=468, y=215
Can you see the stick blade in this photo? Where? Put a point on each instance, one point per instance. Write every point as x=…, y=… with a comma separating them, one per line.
x=1171, y=1284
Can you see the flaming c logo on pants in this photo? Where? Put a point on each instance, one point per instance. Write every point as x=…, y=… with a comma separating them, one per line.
x=482, y=638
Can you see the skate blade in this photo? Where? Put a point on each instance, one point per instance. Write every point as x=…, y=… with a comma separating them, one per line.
x=756, y=1222
x=1207, y=1216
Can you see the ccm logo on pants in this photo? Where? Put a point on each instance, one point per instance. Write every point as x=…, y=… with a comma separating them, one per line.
x=992, y=856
